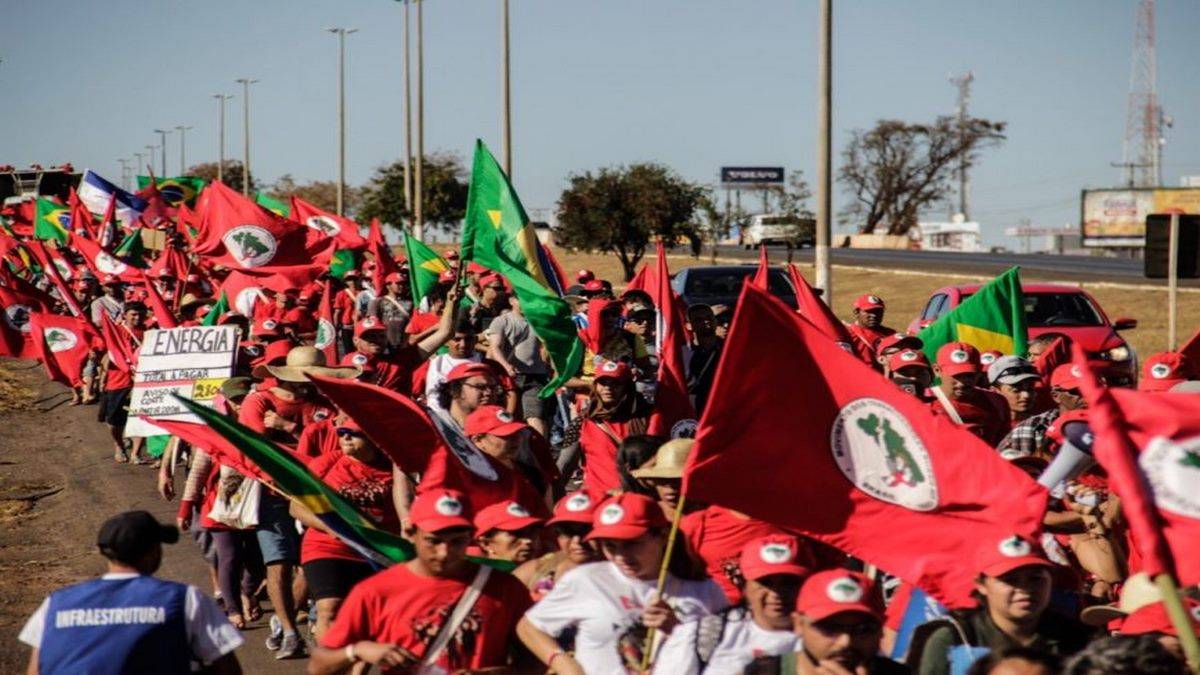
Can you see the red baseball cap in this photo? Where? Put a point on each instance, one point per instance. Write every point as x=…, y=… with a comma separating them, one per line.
x=394, y=277
x=774, y=554
x=440, y=509
x=452, y=254
x=276, y=350
x=491, y=279
x=475, y=268
x=574, y=507
x=351, y=274
x=616, y=370
x=368, y=325
x=266, y=328
x=494, y=420
x=986, y=358
x=955, y=358
x=831, y=592
x=464, y=370
x=996, y=558
x=907, y=358
x=507, y=515
x=360, y=360
x=1054, y=432
x=1153, y=618
x=594, y=286
x=1066, y=376
x=626, y=516
x=584, y=275
x=1163, y=371
x=447, y=276
x=898, y=341
x=868, y=301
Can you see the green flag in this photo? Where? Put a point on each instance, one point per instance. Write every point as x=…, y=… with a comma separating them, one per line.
x=274, y=205
x=424, y=266
x=215, y=312
x=343, y=260
x=50, y=220
x=991, y=318
x=132, y=249
x=177, y=190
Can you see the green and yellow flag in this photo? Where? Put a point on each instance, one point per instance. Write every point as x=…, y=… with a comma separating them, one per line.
x=991, y=318
x=51, y=221
x=273, y=205
x=343, y=260
x=177, y=190
x=216, y=311
x=132, y=249
x=424, y=266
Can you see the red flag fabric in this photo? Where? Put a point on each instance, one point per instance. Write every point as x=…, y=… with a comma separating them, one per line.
x=326, y=339
x=243, y=287
x=241, y=234
x=323, y=226
x=1058, y=353
x=207, y=439
x=50, y=263
x=762, y=274
x=674, y=414
x=16, y=334
x=163, y=315
x=117, y=342
x=102, y=263
x=170, y=263
x=391, y=420
x=81, y=218
x=63, y=344
x=822, y=444
x=385, y=264
x=375, y=233
x=107, y=234
x=813, y=308
x=1191, y=350
x=638, y=282
x=1149, y=443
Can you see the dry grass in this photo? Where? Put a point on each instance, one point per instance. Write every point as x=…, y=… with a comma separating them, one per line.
x=13, y=394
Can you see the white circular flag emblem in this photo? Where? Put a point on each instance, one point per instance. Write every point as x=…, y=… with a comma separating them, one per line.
x=1173, y=470
x=578, y=502
x=324, y=224
x=244, y=301
x=250, y=245
x=60, y=339
x=959, y=356
x=775, y=553
x=612, y=514
x=448, y=506
x=1159, y=371
x=516, y=510
x=1014, y=547
x=109, y=265
x=844, y=589
x=324, y=336
x=17, y=317
x=877, y=450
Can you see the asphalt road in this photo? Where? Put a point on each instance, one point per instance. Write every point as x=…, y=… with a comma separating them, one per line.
x=1064, y=267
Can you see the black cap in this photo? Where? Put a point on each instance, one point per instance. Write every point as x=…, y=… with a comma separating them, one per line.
x=126, y=537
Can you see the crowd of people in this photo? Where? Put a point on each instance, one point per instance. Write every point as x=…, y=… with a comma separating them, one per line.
x=571, y=492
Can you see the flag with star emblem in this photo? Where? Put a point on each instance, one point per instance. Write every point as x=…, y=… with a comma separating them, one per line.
x=992, y=317
x=424, y=267
x=52, y=221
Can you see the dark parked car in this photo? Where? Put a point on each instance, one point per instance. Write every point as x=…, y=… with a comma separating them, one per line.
x=722, y=284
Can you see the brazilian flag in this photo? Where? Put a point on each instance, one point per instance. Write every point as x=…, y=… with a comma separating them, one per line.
x=343, y=260
x=293, y=479
x=51, y=221
x=424, y=265
x=177, y=190
x=991, y=318
x=273, y=205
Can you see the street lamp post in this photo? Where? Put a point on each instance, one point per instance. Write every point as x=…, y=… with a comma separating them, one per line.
x=182, y=148
x=162, y=134
x=408, y=179
x=341, y=186
x=124, y=172
x=221, y=99
x=419, y=191
x=150, y=155
x=138, y=166
x=824, y=148
x=246, y=82
x=506, y=114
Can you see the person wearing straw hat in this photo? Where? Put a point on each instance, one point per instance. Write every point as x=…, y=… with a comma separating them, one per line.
x=664, y=473
x=612, y=605
x=189, y=304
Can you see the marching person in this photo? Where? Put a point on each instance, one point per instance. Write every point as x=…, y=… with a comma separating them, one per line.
x=572, y=521
x=1017, y=380
x=1028, y=438
x=129, y=621
x=507, y=531
x=867, y=327
x=982, y=412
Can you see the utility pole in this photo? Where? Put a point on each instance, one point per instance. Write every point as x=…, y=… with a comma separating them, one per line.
x=506, y=113
x=408, y=167
x=963, y=84
x=341, y=186
x=824, y=149
x=124, y=172
x=419, y=192
x=182, y=148
x=221, y=99
x=150, y=156
x=138, y=166
x=162, y=134
x=246, y=82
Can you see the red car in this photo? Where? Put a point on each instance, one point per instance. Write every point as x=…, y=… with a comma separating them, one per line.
x=1057, y=308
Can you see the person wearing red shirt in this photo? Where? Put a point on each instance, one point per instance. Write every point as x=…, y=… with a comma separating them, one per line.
x=867, y=327
x=362, y=475
x=118, y=385
x=715, y=537
x=616, y=411
x=394, y=370
x=982, y=412
x=508, y=531
x=398, y=619
x=345, y=306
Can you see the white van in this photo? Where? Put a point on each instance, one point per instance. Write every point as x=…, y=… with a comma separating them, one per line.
x=774, y=228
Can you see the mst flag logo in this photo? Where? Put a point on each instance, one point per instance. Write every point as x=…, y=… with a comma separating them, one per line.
x=1173, y=471
x=17, y=317
x=250, y=245
x=60, y=339
x=324, y=224
x=877, y=450
x=109, y=265
x=325, y=334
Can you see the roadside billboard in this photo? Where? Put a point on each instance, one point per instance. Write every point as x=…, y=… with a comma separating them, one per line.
x=1117, y=216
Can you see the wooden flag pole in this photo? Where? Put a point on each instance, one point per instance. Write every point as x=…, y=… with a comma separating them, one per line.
x=1180, y=619
x=648, y=649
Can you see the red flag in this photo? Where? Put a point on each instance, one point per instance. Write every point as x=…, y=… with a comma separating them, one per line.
x=63, y=344
x=207, y=439
x=16, y=334
x=323, y=226
x=1149, y=443
x=673, y=409
x=102, y=263
x=1058, y=353
x=163, y=315
x=1191, y=350
x=170, y=263
x=385, y=264
x=822, y=444
x=117, y=342
x=375, y=233
x=108, y=224
x=326, y=339
x=763, y=273
x=81, y=218
x=638, y=282
x=822, y=317
x=243, y=287
x=391, y=420
x=241, y=234
x=51, y=264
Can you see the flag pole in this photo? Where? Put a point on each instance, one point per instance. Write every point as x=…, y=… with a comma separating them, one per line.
x=648, y=650
x=1179, y=618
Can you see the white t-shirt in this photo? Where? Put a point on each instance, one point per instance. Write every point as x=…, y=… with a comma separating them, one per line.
x=741, y=642
x=605, y=607
x=209, y=633
x=439, y=367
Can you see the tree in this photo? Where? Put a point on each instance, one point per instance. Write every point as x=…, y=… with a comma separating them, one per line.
x=896, y=169
x=232, y=174
x=322, y=193
x=445, y=186
x=792, y=202
x=623, y=209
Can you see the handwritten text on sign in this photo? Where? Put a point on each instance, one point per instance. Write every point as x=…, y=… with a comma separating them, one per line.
x=192, y=361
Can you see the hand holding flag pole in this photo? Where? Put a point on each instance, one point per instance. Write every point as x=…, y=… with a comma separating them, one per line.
x=648, y=648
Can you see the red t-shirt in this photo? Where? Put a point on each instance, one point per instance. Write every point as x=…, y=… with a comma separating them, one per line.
x=867, y=337
x=117, y=378
x=343, y=308
x=716, y=536
x=302, y=412
x=420, y=322
x=444, y=470
x=394, y=371
x=317, y=440
x=600, y=455
x=984, y=414
x=399, y=607
x=301, y=319
x=368, y=487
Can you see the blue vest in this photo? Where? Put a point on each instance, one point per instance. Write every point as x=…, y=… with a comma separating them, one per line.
x=102, y=626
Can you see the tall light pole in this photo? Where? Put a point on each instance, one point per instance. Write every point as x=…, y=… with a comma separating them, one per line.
x=221, y=99
x=162, y=135
x=150, y=155
x=407, y=124
x=824, y=149
x=341, y=186
x=138, y=166
x=246, y=82
x=506, y=114
x=124, y=172
x=182, y=148
x=419, y=192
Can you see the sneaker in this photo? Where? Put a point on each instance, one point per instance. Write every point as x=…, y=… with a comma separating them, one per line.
x=291, y=646
x=275, y=637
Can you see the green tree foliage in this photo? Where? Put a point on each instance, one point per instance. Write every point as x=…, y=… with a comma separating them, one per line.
x=232, y=174
x=445, y=185
x=623, y=209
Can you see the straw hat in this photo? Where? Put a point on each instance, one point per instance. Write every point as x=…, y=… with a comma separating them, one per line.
x=1139, y=590
x=190, y=299
x=668, y=461
x=304, y=361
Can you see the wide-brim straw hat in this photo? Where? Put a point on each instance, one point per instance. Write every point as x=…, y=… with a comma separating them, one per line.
x=305, y=361
x=668, y=461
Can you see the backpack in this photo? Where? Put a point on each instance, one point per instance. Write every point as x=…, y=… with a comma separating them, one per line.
x=963, y=650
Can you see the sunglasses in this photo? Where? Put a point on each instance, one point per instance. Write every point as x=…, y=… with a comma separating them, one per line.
x=572, y=529
x=347, y=432
x=855, y=629
x=1069, y=392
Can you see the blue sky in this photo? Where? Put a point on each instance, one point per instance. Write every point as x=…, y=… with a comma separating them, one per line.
x=692, y=83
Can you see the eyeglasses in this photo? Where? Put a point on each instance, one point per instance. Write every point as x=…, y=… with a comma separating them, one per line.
x=856, y=629
x=347, y=432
